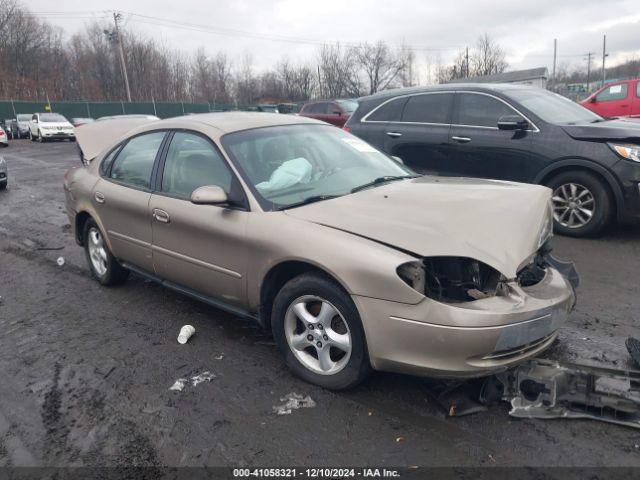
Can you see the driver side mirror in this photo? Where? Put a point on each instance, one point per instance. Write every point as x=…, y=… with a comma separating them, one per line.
x=397, y=159
x=209, y=195
x=512, y=122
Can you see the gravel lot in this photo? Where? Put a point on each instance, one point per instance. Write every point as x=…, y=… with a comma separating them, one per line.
x=86, y=370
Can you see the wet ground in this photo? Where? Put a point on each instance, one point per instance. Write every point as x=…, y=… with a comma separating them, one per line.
x=86, y=370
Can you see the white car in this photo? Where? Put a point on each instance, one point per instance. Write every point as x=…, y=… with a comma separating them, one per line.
x=50, y=126
x=4, y=138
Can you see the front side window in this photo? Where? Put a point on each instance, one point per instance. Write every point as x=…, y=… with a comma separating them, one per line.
x=481, y=110
x=193, y=162
x=388, y=112
x=134, y=163
x=551, y=107
x=428, y=108
x=286, y=165
x=613, y=92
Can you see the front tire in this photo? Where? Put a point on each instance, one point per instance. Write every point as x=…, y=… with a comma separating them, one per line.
x=582, y=204
x=104, y=267
x=318, y=330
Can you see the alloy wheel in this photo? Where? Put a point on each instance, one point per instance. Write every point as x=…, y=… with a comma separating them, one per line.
x=318, y=335
x=573, y=205
x=97, y=251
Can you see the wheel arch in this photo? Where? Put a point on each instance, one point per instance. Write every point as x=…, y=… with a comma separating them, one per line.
x=81, y=220
x=277, y=276
x=585, y=166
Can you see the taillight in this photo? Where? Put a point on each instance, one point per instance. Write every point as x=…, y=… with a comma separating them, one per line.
x=347, y=129
x=1, y=133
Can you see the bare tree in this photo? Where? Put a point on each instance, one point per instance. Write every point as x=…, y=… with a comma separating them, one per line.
x=338, y=72
x=488, y=58
x=381, y=66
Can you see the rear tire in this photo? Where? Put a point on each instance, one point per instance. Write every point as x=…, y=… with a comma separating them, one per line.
x=583, y=204
x=103, y=265
x=333, y=354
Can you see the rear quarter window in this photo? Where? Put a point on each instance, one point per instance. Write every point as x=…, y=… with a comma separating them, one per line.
x=390, y=111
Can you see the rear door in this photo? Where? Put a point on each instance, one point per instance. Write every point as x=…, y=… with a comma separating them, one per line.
x=335, y=114
x=421, y=136
x=373, y=126
x=121, y=198
x=198, y=246
x=613, y=101
x=480, y=148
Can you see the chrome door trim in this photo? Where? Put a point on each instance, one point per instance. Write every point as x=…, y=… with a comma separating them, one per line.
x=126, y=238
x=195, y=261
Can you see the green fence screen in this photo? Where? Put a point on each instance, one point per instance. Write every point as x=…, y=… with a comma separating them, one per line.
x=9, y=109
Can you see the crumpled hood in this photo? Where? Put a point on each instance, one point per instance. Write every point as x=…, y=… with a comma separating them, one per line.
x=609, y=130
x=498, y=223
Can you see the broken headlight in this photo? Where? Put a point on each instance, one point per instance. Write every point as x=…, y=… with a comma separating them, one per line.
x=451, y=279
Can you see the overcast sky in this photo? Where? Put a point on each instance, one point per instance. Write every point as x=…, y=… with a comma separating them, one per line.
x=524, y=29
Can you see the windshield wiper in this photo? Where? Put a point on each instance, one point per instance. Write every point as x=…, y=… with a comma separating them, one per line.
x=381, y=180
x=308, y=200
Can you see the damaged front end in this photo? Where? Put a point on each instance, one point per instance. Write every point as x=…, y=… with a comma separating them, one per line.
x=462, y=279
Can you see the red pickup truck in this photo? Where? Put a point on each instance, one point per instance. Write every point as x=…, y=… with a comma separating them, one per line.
x=619, y=99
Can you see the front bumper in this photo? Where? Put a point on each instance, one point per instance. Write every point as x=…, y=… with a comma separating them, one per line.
x=57, y=134
x=469, y=339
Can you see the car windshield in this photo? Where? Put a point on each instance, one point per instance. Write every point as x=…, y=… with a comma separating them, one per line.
x=52, y=117
x=554, y=108
x=289, y=165
x=23, y=117
x=349, y=106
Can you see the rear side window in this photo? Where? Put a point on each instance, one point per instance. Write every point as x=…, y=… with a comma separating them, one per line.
x=638, y=89
x=428, y=108
x=134, y=163
x=193, y=162
x=388, y=112
x=481, y=110
x=614, y=92
x=105, y=166
x=320, y=108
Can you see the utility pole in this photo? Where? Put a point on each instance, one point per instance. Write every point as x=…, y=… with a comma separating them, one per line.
x=466, y=62
x=555, y=59
x=114, y=36
x=604, y=56
x=589, y=55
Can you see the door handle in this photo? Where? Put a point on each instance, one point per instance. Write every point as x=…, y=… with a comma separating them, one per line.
x=99, y=197
x=461, y=139
x=394, y=134
x=161, y=216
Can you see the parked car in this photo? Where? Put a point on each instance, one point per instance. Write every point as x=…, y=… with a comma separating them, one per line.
x=23, y=120
x=120, y=117
x=12, y=129
x=50, y=126
x=335, y=112
x=6, y=126
x=79, y=121
x=619, y=99
x=268, y=108
x=288, y=108
x=351, y=260
x=513, y=132
x=3, y=174
x=4, y=140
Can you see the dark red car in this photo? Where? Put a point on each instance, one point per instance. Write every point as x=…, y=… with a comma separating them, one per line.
x=335, y=112
x=619, y=99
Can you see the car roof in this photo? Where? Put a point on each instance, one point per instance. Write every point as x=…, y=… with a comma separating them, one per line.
x=488, y=87
x=227, y=122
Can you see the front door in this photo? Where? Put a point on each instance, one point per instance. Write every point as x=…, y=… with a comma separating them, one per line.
x=480, y=148
x=121, y=199
x=613, y=101
x=198, y=246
